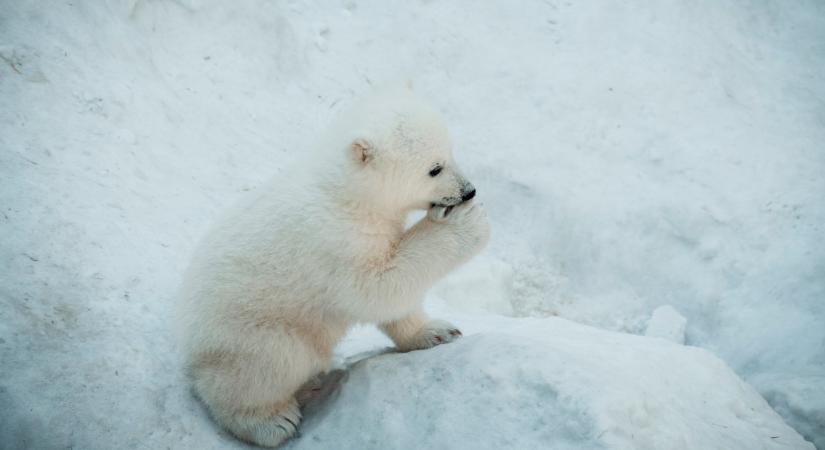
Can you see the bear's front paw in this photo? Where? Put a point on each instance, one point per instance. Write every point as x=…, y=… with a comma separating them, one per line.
x=434, y=332
x=470, y=221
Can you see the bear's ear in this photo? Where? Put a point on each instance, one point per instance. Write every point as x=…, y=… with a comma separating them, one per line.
x=362, y=151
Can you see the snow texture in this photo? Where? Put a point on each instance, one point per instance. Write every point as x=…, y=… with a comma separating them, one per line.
x=630, y=155
x=544, y=383
x=667, y=323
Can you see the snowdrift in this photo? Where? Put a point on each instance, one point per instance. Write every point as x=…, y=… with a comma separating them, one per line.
x=544, y=383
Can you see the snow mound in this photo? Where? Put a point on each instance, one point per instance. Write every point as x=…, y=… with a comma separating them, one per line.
x=545, y=383
x=667, y=323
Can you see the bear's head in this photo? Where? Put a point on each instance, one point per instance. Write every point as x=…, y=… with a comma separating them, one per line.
x=400, y=156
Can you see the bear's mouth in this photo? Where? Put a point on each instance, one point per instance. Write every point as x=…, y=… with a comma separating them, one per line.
x=447, y=202
x=440, y=210
x=447, y=206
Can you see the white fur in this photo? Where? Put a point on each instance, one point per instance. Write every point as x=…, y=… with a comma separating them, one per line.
x=276, y=284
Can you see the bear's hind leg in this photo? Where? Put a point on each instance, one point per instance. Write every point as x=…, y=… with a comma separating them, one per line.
x=267, y=427
x=252, y=393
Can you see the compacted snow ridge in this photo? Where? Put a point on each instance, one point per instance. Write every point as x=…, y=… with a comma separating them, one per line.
x=648, y=168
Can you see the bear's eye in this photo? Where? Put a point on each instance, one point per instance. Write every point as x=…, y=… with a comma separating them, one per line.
x=435, y=171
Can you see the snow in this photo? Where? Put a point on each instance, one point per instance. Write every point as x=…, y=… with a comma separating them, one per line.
x=543, y=383
x=631, y=155
x=667, y=323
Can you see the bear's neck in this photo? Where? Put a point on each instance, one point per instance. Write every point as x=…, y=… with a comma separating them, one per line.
x=367, y=218
x=373, y=221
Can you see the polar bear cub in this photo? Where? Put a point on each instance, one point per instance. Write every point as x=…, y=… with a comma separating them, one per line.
x=277, y=282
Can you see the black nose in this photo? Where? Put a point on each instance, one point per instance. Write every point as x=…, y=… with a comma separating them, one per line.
x=468, y=195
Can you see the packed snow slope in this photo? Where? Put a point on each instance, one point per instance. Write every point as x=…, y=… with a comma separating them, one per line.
x=543, y=383
x=631, y=155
